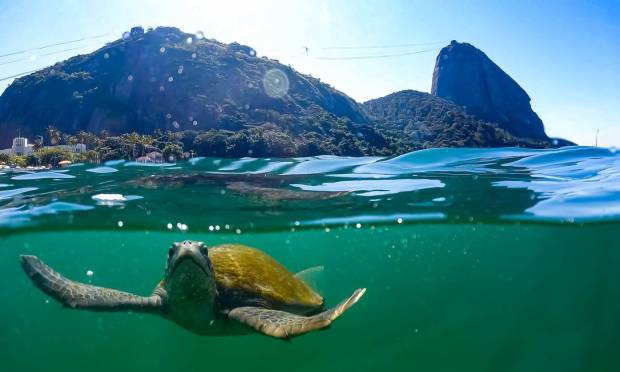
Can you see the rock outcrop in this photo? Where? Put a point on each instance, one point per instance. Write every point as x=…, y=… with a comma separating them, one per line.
x=227, y=101
x=421, y=120
x=466, y=76
x=170, y=80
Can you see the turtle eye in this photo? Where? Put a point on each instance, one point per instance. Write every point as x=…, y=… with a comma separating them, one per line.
x=203, y=249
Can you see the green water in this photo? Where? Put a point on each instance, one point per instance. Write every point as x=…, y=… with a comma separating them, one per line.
x=474, y=259
x=440, y=297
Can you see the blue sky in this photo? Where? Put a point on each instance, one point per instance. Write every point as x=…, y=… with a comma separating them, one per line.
x=565, y=54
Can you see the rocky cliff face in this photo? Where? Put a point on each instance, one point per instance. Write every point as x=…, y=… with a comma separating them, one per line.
x=420, y=120
x=170, y=80
x=466, y=76
x=239, y=104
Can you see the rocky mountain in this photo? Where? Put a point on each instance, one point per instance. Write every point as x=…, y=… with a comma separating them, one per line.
x=466, y=76
x=169, y=80
x=420, y=120
x=223, y=100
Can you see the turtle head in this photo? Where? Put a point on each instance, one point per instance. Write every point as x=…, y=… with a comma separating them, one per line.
x=189, y=273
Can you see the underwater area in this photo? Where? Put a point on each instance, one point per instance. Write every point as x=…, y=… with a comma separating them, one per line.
x=474, y=259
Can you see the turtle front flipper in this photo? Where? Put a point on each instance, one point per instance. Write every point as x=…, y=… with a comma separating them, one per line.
x=83, y=296
x=282, y=324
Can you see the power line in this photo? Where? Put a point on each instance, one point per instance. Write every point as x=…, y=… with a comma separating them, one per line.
x=53, y=45
x=46, y=54
x=65, y=50
x=385, y=46
x=18, y=75
x=13, y=61
x=378, y=56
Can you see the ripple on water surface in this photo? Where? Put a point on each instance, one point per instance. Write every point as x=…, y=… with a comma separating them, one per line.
x=573, y=184
x=42, y=176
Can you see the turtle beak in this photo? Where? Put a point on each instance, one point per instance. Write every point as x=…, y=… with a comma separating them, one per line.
x=196, y=252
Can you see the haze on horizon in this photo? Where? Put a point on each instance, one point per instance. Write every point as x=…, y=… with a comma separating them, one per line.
x=563, y=53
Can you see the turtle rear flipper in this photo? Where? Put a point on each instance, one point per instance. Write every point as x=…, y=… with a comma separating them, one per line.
x=84, y=296
x=282, y=324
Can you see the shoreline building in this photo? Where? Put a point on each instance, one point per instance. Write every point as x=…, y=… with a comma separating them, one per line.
x=20, y=147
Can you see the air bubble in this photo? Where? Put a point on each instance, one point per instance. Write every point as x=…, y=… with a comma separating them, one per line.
x=170, y=79
x=358, y=225
x=199, y=35
x=238, y=231
x=169, y=226
x=120, y=223
x=106, y=56
x=193, y=55
x=168, y=116
x=189, y=40
x=175, y=124
x=125, y=35
x=130, y=77
x=90, y=273
x=399, y=220
x=162, y=50
x=195, y=122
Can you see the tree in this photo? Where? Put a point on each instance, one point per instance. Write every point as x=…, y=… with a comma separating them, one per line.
x=38, y=143
x=172, y=152
x=53, y=135
x=211, y=143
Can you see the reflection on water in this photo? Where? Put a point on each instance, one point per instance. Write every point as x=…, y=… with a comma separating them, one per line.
x=574, y=184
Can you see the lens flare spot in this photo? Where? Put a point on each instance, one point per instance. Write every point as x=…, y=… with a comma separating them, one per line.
x=275, y=83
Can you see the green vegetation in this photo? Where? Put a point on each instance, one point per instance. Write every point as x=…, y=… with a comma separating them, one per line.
x=16, y=160
x=415, y=120
x=209, y=99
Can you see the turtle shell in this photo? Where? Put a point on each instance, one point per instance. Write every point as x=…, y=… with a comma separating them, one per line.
x=247, y=276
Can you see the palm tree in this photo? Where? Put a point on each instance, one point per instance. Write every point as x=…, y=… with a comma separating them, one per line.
x=71, y=140
x=54, y=134
x=50, y=130
x=38, y=143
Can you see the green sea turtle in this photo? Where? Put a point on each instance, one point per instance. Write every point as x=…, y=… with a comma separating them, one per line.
x=208, y=291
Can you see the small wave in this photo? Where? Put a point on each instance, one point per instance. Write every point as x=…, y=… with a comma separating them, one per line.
x=572, y=184
x=42, y=176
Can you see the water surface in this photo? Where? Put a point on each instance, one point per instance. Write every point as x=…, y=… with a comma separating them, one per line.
x=474, y=260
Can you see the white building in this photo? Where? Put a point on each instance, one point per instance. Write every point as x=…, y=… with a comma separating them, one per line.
x=20, y=147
